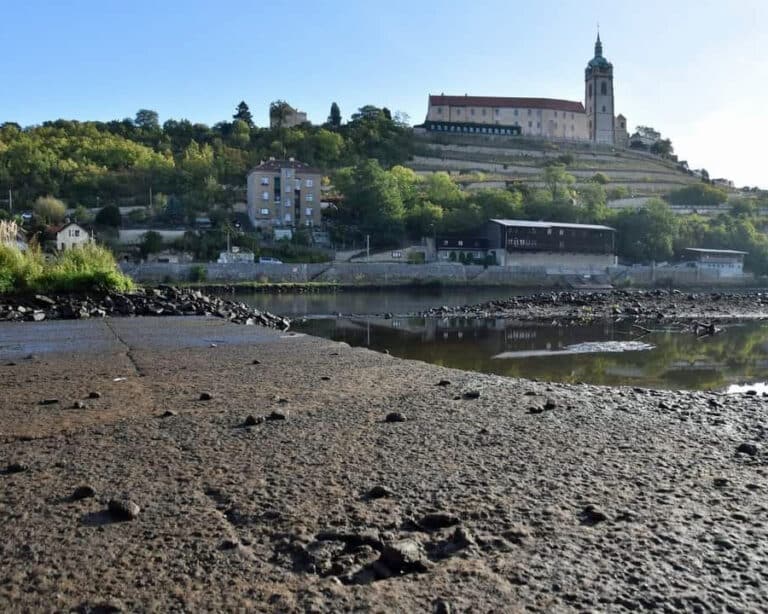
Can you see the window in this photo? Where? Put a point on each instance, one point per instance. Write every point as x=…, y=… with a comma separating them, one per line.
x=604, y=88
x=530, y=124
x=515, y=112
x=538, y=125
x=589, y=91
x=458, y=111
x=471, y=111
x=529, y=112
x=287, y=202
x=603, y=108
x=287, y=217
x=310, y=197
x=265, y=196
x=308, y=211
x=77, y=233
x=310, y=183
x=439, y=110
x=484, y=112
x=264, y=211
x=497, y=111
x=265, y=181
x=460, y=243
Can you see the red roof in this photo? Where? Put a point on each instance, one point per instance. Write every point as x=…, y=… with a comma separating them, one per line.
x=519, y=103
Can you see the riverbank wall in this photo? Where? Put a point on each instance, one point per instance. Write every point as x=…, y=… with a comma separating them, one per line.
x=398, y=274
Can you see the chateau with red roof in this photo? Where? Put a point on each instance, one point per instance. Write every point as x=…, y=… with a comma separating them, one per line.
x=550, y=118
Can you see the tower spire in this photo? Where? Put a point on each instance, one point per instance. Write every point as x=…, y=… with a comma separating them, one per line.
x=598, y=44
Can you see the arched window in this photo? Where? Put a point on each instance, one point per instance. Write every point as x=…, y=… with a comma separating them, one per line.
x=603, y=88
x=589, y=90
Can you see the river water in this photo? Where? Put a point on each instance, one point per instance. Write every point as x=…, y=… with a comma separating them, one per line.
x=603, y=353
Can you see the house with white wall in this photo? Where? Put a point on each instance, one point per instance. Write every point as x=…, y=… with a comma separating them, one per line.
x=71, y=235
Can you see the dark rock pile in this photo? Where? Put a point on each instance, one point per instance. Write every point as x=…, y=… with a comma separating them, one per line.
x=654, y=304
x=161, y=301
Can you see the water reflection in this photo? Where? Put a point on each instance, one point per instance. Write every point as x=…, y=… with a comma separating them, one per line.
x=601, y=353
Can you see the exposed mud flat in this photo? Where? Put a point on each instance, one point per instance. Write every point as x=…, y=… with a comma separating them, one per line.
x=188, y=463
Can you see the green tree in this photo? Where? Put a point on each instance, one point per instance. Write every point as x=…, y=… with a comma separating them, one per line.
x=243, y=113
x=698, y=195
x=279, y=110
x=646, y=233
x=591, y=197
x=600, y=178
x=147, y=120
x=663, y=148
x=558, y=181
x=334, y=119
x=49, y=210
x=240, y=134
x=372, y=203
x=151, y=243
x=423, y=220
x=109, y=216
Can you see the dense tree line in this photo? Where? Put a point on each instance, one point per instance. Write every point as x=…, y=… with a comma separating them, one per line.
x=389, y=205
x=118, y=162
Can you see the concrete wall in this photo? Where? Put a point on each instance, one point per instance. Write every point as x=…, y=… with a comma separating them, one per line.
x=133, y=236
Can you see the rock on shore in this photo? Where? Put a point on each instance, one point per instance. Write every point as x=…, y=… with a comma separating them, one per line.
x=161, y=301
x=639, y=304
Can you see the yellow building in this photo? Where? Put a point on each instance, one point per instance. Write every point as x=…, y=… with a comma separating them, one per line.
x=548, y=118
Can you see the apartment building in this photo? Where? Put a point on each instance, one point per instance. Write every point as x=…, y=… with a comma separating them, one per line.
x=284, y=194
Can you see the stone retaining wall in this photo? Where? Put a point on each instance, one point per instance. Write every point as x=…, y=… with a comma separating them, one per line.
x=400, y=274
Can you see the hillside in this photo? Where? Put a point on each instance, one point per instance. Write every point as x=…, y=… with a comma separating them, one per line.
x=493, y=162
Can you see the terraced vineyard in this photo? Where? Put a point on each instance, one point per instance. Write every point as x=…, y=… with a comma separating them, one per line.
x=493, y=161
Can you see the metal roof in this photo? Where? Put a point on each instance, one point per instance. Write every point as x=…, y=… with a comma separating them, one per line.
x=704, y=250
x=505, y=102
x=529, y=224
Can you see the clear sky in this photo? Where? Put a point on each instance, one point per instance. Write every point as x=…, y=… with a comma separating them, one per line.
x=697, y=70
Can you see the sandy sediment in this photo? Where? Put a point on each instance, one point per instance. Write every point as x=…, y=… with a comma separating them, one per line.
x=491, y=495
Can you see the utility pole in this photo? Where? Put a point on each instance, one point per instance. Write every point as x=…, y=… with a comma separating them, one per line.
x=367, y=248
x=10, y=200
x=150, y=197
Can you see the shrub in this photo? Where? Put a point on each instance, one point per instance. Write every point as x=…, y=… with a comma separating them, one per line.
x=198, y=273
x=19, y=271
x=89, y=267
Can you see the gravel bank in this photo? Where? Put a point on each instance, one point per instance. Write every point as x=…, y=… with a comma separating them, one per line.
x=659, y=305
x=129, y=480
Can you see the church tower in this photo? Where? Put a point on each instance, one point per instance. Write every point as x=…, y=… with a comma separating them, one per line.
x=598, y=97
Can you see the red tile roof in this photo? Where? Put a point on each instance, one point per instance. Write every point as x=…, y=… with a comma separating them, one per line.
x=519, y=103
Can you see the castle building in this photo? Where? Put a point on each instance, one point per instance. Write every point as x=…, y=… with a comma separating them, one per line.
x=550, y=118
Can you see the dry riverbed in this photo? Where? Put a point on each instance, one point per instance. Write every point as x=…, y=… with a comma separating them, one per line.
x=160, y=464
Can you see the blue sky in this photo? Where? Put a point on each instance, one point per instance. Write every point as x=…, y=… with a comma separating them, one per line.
x=695, y=70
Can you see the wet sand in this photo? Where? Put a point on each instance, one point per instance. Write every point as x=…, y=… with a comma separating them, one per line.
x=492, y=495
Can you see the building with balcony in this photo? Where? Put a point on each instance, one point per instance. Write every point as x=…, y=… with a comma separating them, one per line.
x=284, y=194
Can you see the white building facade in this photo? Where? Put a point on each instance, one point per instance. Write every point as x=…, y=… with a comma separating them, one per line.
x=70, y=236
x=552, y=118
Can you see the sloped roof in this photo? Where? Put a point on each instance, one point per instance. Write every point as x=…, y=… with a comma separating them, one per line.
x=529, y=224
x=276, y=165
x=723, y=252
x=553, y=104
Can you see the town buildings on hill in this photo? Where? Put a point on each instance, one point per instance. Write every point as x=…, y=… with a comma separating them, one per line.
x=593, y=120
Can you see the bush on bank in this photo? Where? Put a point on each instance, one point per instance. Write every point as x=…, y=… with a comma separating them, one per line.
x=87, y=268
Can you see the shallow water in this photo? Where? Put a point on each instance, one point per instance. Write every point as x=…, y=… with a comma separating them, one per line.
x=603, y=353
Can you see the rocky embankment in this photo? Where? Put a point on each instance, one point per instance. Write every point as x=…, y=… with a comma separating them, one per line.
x=658, y=305
x=162, y=301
